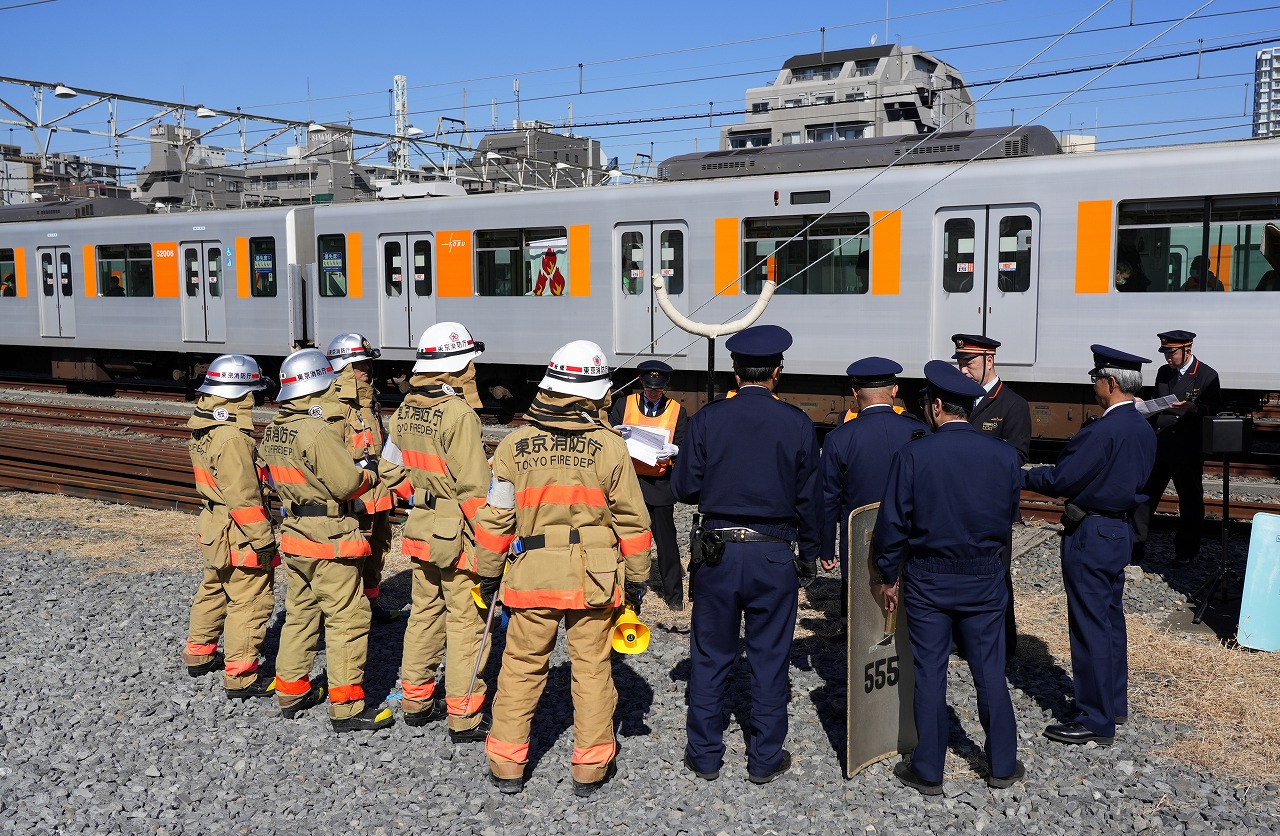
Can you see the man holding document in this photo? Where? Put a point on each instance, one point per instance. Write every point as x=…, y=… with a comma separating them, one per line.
x=655, y=430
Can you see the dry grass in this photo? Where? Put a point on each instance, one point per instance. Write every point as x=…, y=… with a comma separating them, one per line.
x=1226, y=698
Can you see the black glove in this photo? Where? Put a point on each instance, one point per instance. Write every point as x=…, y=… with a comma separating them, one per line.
x=806, y=570
x=635, y=594
x=489, y=589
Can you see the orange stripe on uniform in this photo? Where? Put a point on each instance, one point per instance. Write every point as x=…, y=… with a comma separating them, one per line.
x=461, y=707
x=303, y=547
x=244, y=516
x=471, y=506
x=496, y=543
x=422, y=692
x=601, y=753
x=202, y=649
x=503, y=751
x=345, y=693
x=287, y=475
x=560, y=495
x=354, y=548
x=556, y=599
x=363, y=438
x=415, y=548
x=424, y=461
x=636, y=545
x=204, y=477
x=240, y=668
x=373, y=506
x=404, y=490
x=295, y=688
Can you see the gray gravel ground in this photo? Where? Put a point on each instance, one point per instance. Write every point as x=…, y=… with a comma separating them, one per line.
x=101, y=731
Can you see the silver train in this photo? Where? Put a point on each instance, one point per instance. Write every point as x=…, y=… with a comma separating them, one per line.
x=1044, y=251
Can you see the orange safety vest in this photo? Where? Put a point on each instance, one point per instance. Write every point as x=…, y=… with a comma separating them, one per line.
x=853, y=413
x=634, y=416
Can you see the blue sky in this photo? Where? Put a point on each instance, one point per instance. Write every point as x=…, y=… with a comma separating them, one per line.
x=334, y=62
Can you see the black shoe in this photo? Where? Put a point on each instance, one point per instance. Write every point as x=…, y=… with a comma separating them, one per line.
x=904, y=773
x=675, y=603
x=371, y=719
x=309, y=700
x=472, y=735
x=432, y=713
x=381, y=615
x=775, y=774
x=1019, y=772
x=214, y=664
x=508, y=786
x=263, y=686
x=1121, y=719
x=706, y=776
x=585, y=790
x=1076, y=733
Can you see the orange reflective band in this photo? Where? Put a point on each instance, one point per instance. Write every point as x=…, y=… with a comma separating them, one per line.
x=556, y=599
x=264, y=473
x=560, y=495
x=470, y=507
x=503, y=751
x=496, y=543
x=204, y=477
x=367, y=481
x=354, y=548
x=247, y=559
x=461, y=707
x=241, y=668
x=422, y=692
x=373, y=506
x=372, y=592
x=424, y=461
x=404, y=490
x=345, y=693
x=363, y=438
x=601, y=753
x=304, y=548
x=287, y=475
x=415, y=548
x=202, y=649
x=638, y=544
x=293, y=689
x=244, y=516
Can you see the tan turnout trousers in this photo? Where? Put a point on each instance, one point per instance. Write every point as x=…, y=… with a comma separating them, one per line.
x=531, y=636
x=236, y=603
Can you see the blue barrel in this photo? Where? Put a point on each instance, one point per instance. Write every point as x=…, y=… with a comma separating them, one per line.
x=1260, y=603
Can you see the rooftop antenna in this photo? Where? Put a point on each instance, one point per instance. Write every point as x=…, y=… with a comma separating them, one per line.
x=886, y=21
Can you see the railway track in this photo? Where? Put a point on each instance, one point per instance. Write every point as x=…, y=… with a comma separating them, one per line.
x=1044, y=508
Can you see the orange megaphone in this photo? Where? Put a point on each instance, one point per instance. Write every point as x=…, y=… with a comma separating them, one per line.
x=630, y=636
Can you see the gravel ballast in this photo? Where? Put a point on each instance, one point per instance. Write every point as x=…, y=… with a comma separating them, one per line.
x=102, y=731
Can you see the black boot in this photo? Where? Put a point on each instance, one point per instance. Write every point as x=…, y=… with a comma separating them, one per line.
x=476, y=734
x=310, y=699
x=371, y=719
x=433, y=712
x=214, y=664
x=263, y=686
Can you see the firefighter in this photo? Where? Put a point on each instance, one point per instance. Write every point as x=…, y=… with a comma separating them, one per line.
x=435, y=458
x=565, y=486
x=322, y=545
x=235, y=597
x=351, y=357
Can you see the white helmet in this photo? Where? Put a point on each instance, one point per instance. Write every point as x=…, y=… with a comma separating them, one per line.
x=579, y=368
x=304, y=372
x=346, y=349
x=446, y=347
x=233, y=375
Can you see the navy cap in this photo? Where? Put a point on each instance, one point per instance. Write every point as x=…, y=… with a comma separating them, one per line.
x=1171, y=341
x=949, y=383
x=762, y=344
x=968, y=345
x=873, y=371
x=1111, y=358
x=654, y=372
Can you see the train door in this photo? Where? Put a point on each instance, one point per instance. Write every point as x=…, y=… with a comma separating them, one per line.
x=642, y=250
x=57, y=292
x=204, y=316
x=989, y=266
x=407, y=304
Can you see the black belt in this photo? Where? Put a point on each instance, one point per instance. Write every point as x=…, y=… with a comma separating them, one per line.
x=320, y=509
x=539, y=541
x=747, y=535
x=1111, y=515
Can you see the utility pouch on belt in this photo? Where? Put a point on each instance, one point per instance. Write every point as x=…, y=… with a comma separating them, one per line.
x=446, y=533
x=712, y=547
x=601, y=564
x=695, y=541
x=1072, y=516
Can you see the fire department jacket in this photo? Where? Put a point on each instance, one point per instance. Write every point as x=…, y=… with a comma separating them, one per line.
x=363, y=432
x=233, y=524
x=436, y=456
x=568, y=484
x=315, y=477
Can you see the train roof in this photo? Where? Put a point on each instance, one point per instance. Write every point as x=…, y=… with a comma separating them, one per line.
x=80, y=207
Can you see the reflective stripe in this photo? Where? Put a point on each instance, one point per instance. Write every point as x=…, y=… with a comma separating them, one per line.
x=503, y=751
x=422, y=692
x=204, y=477
x=424, y=461
x=241, y=668
x=287, y=475
x=293, y=689
x=345, y=693
x=470, y=507
x=560, y=495
x=202, y=649
x=244, y=516
x=557, y=599
x=404, y=490
x=303, y=547
x=415, y=548
x=364, y=438
x=636, y=545
x=496, y=543
x=354, y=548
x=601, y=753
x=367, y=481
x=247, y=559
x=666, y=422
x=264, y=473
x=382, y=503
x=461, y=707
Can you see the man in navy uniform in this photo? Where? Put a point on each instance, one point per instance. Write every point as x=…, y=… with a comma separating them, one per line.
x=1000, y=412
x=857, y=454
x=1179, y=447
x=751, y=464
x=1101, y=473
x=652, y=409
x=943, y=523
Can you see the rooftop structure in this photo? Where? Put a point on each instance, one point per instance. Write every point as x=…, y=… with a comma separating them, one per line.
x=1266, y=93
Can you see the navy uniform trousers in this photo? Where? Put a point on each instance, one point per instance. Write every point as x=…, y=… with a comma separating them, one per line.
x=756, y=582
x=973, y=606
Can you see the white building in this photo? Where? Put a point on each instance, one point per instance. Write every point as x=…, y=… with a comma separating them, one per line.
x=1266, y=93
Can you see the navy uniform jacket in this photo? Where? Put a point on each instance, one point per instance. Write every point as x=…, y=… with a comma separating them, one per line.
x=1003, y=413
x=753, y=461
x=1104, y=466
x=1178, y=437
x=949, y=504
x=655, y=489
x=855, y=464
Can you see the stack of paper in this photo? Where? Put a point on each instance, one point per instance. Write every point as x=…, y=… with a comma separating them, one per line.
x=644, y=443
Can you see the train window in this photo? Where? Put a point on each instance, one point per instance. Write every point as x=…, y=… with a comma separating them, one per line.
x=191, y=271
x=8, y=274
x=123, y=270
x=633, y=272
x=215, y=271
x=958, y=239
x=46, y=274
x=64, y=272
x=333, y=265
x=422, y=268
x=671, y=260
x=522, y=262
x=1015, y=254
x=823, y=255
x=392, y=269
x=263, y=253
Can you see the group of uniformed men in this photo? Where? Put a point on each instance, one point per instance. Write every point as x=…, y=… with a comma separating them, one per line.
x=558, y=528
